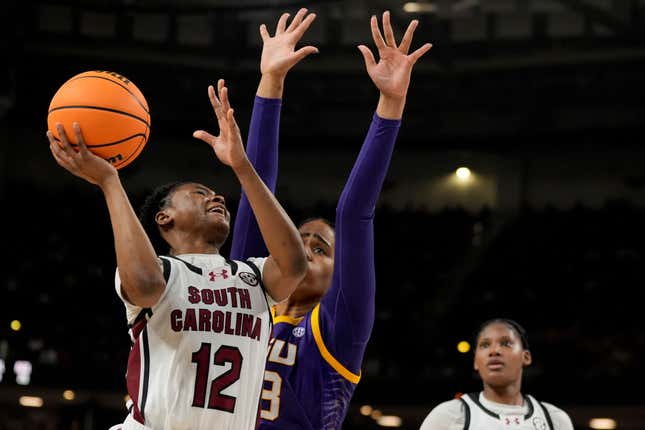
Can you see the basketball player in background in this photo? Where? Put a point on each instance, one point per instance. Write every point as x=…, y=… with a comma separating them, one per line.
x=200, y=324
x=321, y=331
x=501, y=354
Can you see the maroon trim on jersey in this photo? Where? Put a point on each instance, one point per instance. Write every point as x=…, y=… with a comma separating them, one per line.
x=139, y=323
x=133, y=378
x=135, y=370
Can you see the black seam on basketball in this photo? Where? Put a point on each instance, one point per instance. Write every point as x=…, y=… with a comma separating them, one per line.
x=114, y=82
x=74, y=145
x=136, y=152
x=99, y=108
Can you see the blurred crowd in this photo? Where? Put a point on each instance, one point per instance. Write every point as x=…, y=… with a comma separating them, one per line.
x=573, y=278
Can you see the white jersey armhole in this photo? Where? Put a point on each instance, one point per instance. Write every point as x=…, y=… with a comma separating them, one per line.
x=259, y=263
x=560, y=419
x=132, y=310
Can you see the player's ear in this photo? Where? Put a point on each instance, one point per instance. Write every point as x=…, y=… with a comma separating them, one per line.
x=163, y=218
x=527, y=359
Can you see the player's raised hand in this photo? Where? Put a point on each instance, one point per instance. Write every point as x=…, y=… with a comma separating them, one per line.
x=81, y=162
x=228, y=145
x=278, y=51
x=391, y=74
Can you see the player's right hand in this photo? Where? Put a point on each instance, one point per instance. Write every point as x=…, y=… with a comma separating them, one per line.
x=391, y=74
x=278, y=52
x=81, y=162
x=228, y=145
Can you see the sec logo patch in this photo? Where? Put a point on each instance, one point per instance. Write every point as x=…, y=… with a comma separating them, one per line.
x=539, y=423
x=249, y=278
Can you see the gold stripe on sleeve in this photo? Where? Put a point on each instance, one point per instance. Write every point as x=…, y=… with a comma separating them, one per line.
x=315, y=327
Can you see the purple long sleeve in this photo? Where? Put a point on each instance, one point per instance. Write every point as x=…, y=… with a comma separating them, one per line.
x=347, y=309
x=263, y=131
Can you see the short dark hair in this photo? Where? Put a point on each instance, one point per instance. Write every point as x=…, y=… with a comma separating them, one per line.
x=513, y=325
x=157, y=200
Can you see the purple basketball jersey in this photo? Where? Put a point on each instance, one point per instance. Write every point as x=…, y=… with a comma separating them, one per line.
x=302, y=389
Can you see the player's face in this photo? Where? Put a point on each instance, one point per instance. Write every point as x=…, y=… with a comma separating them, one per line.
x=319, y=240
x=499, y=356
x=200, y=212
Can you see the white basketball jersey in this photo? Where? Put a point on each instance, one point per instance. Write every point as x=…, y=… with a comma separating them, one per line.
x=478, y=417
x=198, y=356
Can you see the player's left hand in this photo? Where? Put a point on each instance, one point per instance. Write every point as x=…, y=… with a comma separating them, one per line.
x=391, y=74
x=228, y=145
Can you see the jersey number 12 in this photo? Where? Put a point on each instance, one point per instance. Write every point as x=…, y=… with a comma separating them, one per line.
x=217, y=400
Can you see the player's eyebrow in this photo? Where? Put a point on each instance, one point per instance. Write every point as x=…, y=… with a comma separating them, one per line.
x=317, y=236
x=202, y=188
x=322, y=239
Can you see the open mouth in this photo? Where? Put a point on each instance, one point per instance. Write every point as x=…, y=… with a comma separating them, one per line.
x=218, y=210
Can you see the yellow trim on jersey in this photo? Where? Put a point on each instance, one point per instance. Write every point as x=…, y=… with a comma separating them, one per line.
x=342, y=370
x=284, y=318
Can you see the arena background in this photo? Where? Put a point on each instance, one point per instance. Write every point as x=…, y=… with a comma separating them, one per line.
x=543, y=100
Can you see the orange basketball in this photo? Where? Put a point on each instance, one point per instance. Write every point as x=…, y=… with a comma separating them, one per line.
x=112, y=113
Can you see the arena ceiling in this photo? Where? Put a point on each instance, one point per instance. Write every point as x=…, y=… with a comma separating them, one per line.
x=499, y=69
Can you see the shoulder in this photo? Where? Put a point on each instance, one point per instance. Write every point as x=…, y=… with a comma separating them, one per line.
x=445, y=416
x=256, y=263
x=561, y=420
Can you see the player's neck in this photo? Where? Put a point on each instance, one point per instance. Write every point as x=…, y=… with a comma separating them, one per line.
x=508, y=395
x=194, y=248
x=294, y=309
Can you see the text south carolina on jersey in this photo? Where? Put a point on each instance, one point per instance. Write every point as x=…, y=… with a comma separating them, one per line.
x=215, y=320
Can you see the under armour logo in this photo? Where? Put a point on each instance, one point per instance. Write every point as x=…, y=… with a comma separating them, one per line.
x=511, y=421
x=223, y=274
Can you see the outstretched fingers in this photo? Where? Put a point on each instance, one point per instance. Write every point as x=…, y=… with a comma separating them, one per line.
x=217, y=105
x=304, y=26
x=376, y=33
x=404, y=47
x=304, y=51
x=420, y=52
x=295, y=22
x=282, y=23
x=370, y=61
x=264, y=33
x=223, y=97
x=387, y=30
x=204, y=136
x=233, y=129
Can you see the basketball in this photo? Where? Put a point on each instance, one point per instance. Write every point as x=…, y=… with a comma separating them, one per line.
x=111, y=110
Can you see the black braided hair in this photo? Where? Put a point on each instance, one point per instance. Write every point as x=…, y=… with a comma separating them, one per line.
x=157, y=200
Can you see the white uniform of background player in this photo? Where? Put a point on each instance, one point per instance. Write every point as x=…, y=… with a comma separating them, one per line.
x=199, y=354
x=475, y=412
